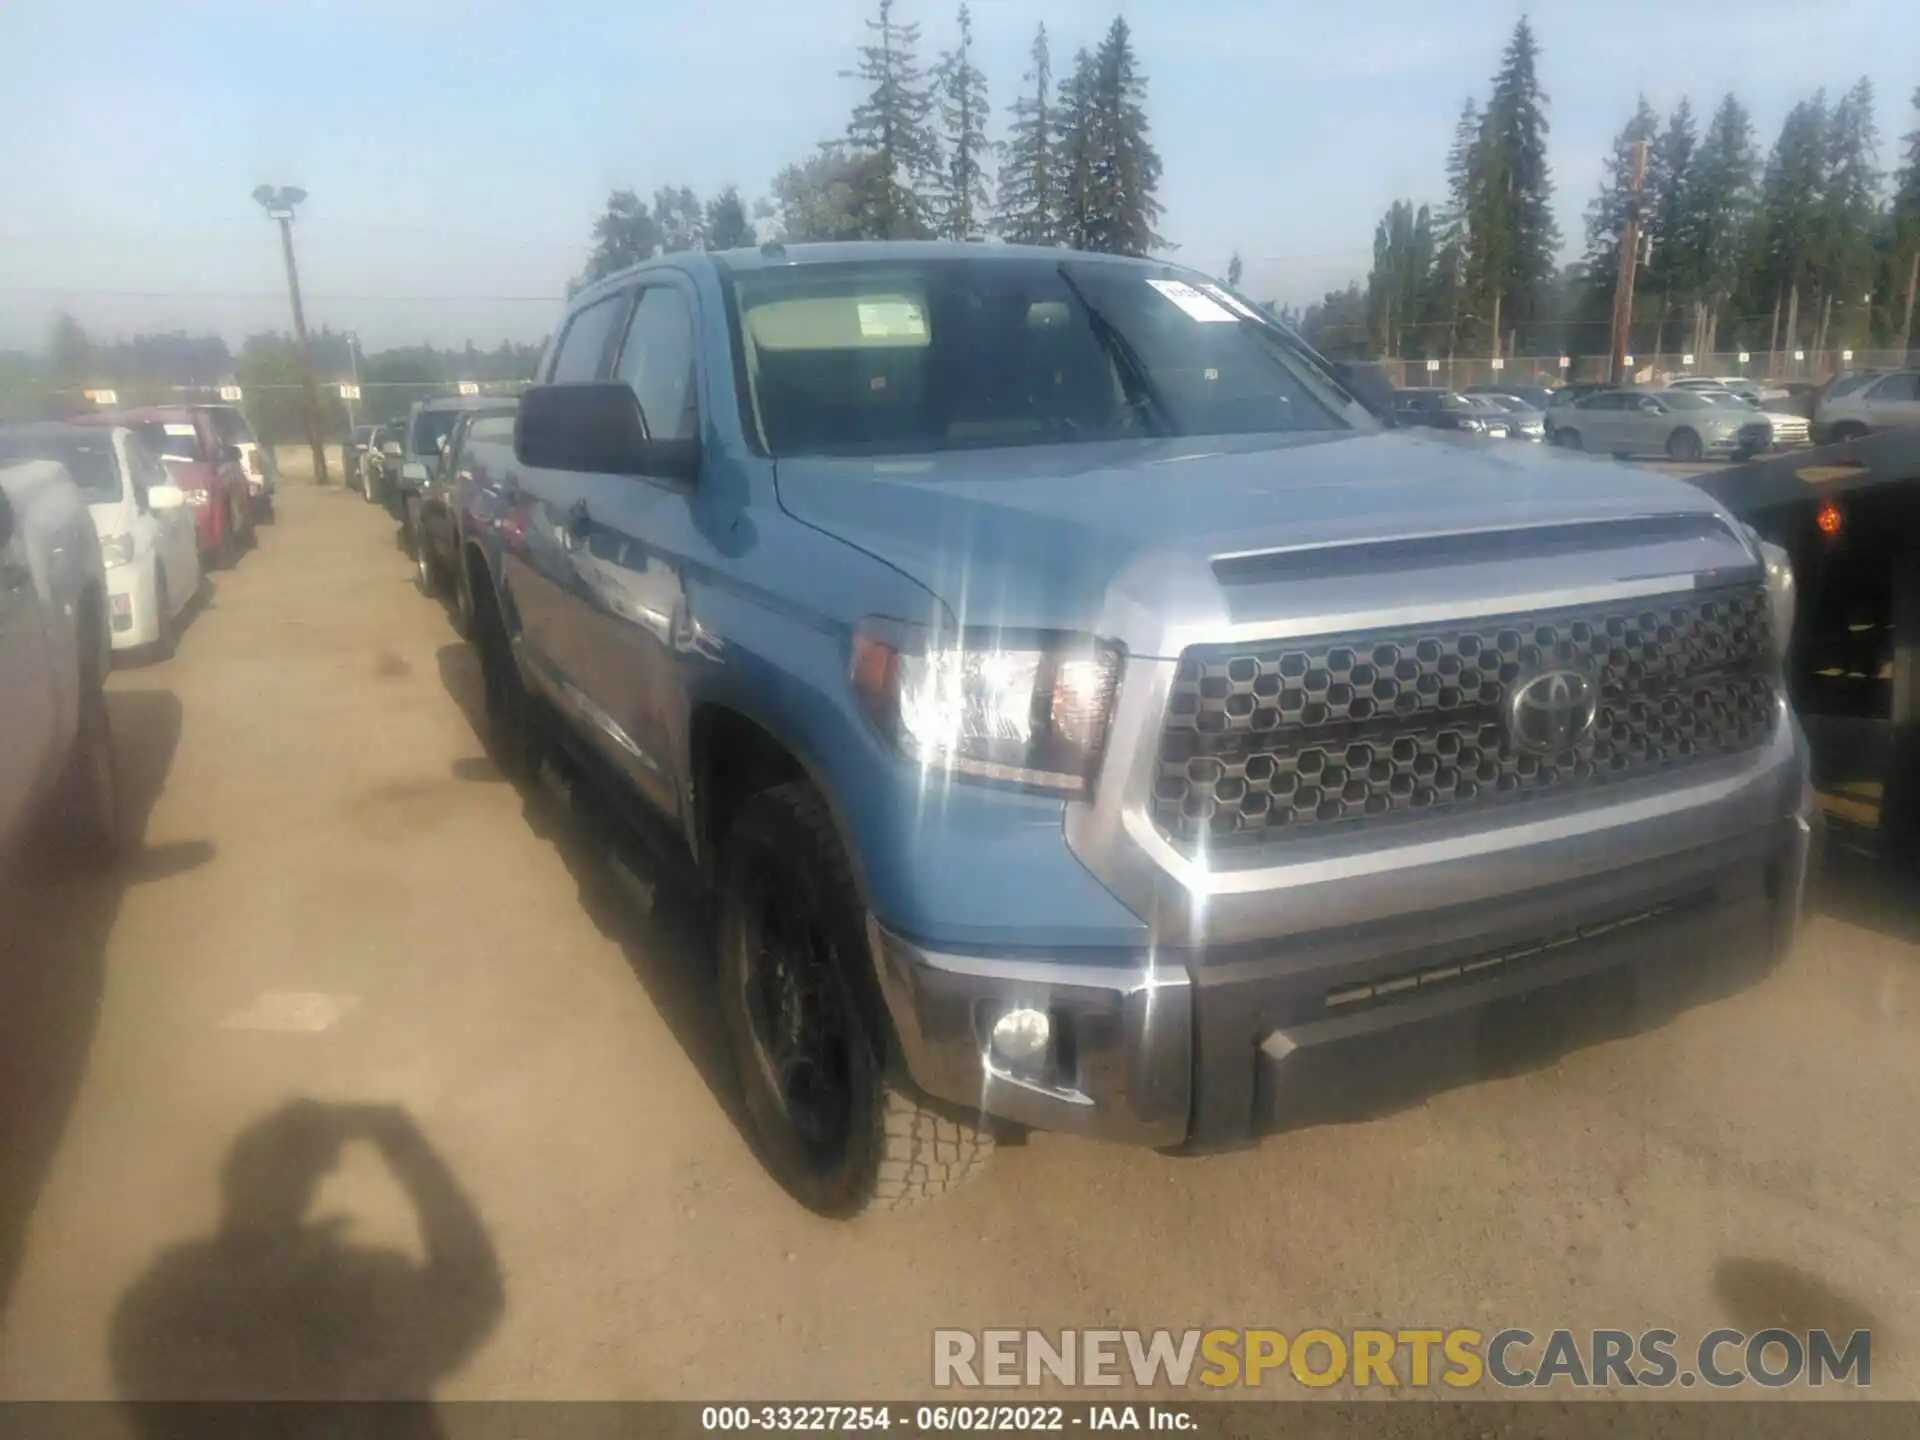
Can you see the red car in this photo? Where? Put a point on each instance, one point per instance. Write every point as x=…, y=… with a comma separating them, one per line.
x=202, y=464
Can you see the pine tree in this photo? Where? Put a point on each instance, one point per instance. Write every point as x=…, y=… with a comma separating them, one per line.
x=1850, y=211
x=728, y=226
x=1516, y=234
x=1607, y=211
x=1669, y=171
x=1030, y=190
x=1453, y=266
x=1079, y=140
x=1403, y=256
x=1791, y=214
x=625, y=234
x=894, y=123
x=1124, y=167
x=1712, y=230
x=1906, y=231
x=681, y=220
x=960, y=193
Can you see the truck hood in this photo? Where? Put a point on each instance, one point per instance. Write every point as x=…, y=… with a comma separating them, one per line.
x=1040, y=536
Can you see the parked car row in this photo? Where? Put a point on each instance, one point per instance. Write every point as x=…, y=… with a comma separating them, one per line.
x=168, y=500
x=1078, y=710
x=1495, y=414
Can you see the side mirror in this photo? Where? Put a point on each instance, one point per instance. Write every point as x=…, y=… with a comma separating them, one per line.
x=229, y=454
x=596, y=429
x=165, y=497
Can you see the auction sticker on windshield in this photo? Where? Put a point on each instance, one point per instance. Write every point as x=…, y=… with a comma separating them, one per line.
x=892, y=320
x=1199, y=307
x=1239, y=307
x=179, y=429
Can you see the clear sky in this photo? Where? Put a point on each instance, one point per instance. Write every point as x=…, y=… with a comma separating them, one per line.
x=456, y=153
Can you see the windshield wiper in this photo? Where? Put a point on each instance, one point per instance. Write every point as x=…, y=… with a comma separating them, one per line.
x=1142, y=396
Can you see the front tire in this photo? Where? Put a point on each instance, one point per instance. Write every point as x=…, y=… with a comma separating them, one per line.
x=831, y=1124
x=1684, y=446
x=168, y=636
x=1846, y=430
x=1568, y=439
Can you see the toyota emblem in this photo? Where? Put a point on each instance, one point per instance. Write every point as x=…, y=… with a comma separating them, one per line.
x=1553, y=712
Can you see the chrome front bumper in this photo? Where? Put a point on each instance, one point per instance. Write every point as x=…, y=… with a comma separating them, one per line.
x=1221, y=1030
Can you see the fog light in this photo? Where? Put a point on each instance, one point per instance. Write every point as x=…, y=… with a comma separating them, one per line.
x=1021, y=1036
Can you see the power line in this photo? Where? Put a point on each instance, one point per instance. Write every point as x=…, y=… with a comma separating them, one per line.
x=66, y=292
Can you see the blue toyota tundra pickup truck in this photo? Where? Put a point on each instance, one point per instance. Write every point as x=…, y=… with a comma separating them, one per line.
x=1086, y=715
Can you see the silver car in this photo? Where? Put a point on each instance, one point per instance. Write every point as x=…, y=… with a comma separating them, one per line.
x=1524, y=421
x=1675, y=423
x=1852, y=407
x=1786, y=427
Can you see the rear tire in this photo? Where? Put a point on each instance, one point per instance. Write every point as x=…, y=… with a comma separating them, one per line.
x=1846, y=430
x=1684, y=446
x=830, y=1122
x=1568, y=439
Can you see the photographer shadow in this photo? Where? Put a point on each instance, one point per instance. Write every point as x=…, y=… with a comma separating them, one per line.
x=279, y=1305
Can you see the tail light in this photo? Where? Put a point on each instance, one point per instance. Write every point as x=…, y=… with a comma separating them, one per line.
x=253, y=462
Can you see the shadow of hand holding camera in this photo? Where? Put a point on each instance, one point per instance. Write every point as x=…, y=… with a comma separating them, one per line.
x=279, y=1305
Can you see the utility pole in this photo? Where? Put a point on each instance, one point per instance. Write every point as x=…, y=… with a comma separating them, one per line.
x=279, y=206
x=1629, y=260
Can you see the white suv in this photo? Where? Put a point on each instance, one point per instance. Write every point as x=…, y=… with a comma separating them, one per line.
x=1848, y=411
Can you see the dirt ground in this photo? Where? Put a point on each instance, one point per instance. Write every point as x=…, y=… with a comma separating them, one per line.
x=348, y=974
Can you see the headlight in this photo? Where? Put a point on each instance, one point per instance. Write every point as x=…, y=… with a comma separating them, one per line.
x=1027, y=707
x=1470, y=423
x=116, y=550
x=198, y=497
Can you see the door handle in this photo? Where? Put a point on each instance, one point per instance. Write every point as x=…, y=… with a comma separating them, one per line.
x=579, y=520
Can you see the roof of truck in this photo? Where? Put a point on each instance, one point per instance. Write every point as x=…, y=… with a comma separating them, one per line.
x=775, y=256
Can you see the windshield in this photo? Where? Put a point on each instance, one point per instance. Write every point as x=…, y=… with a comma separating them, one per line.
x=89, y=460
x=430, y=427
x=171, y=439
x=1725, y=399
x=1848, y=383
x=921, y=356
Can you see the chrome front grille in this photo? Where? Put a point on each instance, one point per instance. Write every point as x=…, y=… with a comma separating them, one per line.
x=1261, y=741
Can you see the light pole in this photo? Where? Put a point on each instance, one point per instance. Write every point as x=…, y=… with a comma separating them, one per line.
x=353, y=364
x=279, y=203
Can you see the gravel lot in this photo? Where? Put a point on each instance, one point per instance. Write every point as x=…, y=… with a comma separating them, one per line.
x=348, y=972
